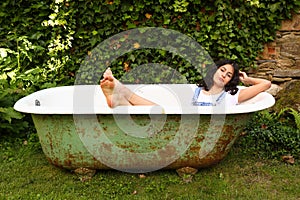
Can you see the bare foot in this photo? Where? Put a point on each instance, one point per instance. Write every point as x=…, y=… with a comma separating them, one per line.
x=112, y=89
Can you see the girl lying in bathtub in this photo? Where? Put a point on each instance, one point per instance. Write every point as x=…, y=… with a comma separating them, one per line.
x=219, y=85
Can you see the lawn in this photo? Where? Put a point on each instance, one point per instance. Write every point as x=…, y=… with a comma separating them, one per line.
x=26, y=174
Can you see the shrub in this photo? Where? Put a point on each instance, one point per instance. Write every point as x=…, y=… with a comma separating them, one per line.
x=272, y=135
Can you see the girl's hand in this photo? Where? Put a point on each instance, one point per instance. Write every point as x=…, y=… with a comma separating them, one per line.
x=255, y=86
x=244, y=77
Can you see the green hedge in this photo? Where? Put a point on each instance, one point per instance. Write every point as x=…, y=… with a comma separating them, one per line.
x=43, y=43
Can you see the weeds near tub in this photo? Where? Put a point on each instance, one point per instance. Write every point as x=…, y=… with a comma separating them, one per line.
x=24, y=145
x=273, y=135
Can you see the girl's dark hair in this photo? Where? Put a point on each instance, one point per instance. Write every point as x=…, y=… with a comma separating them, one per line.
x=231, y=86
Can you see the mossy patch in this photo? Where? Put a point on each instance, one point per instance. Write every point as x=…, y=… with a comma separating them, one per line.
x=288, y=97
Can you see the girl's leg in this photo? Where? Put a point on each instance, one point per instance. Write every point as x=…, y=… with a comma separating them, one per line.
x=139, y=101
x=117, y=94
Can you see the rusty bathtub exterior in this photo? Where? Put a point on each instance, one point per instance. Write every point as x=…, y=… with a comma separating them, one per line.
x=64, y=147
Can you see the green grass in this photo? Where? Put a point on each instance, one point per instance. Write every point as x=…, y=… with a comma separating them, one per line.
x=26, y=174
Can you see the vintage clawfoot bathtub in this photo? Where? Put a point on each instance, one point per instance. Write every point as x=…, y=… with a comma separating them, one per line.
x=77, y=129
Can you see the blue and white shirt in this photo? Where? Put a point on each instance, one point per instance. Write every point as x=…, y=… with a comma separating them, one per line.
x=223, y=98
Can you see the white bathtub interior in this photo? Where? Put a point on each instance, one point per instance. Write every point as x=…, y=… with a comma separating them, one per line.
x=89, y=99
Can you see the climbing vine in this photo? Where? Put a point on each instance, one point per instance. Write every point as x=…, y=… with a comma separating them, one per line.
x=60, y=23
x=43, y=43
x=226, y=29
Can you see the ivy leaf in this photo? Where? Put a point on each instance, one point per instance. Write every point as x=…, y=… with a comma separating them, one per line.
x=132, y=57
x=167, y=21
x=274, y=7
x=239, y=48
x=130, y=25
x=231, y=35
x=94, y=32
x=163, y=1
x=231, y=46
x=214, y=36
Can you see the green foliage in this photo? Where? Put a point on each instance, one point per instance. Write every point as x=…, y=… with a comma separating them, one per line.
x=11, y=120
x=296, y=115
x=272, y=135
x=43, y=43
x=14, y=78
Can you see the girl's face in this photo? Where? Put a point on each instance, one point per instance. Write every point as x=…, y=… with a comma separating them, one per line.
x=223, y=75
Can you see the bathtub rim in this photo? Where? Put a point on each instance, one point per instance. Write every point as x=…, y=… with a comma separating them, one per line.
x=247, y=107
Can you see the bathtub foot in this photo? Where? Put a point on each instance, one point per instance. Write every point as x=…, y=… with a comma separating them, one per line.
x=84, y=174
x=186, y=173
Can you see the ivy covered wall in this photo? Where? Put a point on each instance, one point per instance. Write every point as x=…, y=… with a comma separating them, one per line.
x=54, y=36
x=43, y=43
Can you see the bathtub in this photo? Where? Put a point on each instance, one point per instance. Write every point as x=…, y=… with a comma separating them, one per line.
x=77, y=129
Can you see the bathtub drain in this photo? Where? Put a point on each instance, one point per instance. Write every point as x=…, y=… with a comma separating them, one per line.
x=37, y=103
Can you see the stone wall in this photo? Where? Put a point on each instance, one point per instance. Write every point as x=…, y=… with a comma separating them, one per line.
x=280, y=60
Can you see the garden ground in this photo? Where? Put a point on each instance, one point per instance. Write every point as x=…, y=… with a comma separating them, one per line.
x=26, y=174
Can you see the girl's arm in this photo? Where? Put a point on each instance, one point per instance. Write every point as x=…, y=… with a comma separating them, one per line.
x=257, y=85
